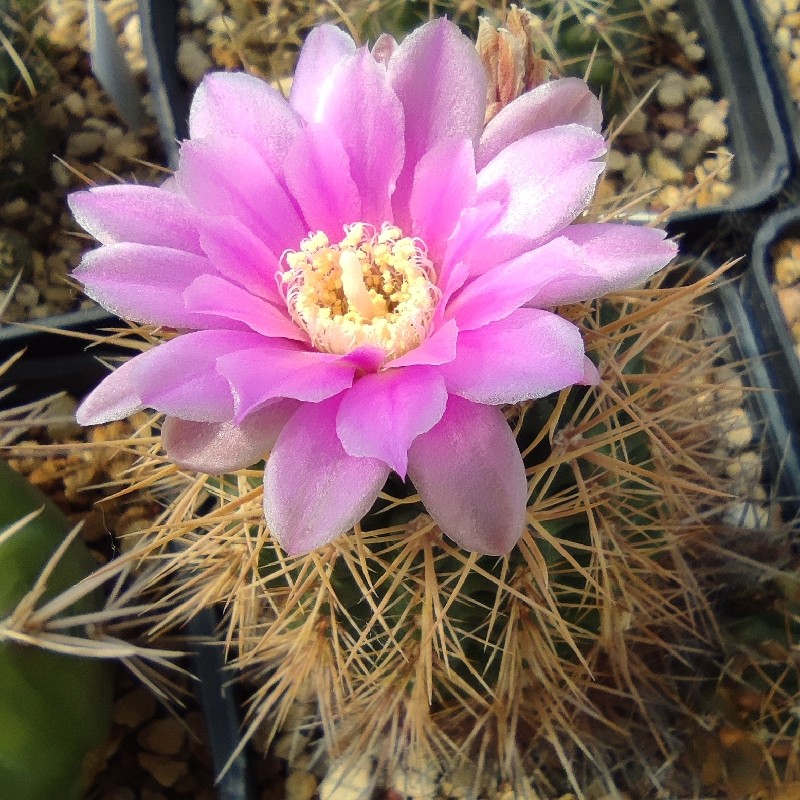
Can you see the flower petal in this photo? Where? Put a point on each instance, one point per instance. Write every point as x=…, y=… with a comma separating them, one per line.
x=279, y=369
x=439, y=78
x=438, y=348
x=144, y=283
x=543, y=181
x=527, y=355
x=444, y=184
x=382, y=414
x=470, y=476
x=324, y=48
x=558, y=102
x=226, y=176
x=317, y=173
x=501, y=290
x=180, y=377
x=219, y=447
x=373, y=136
x=219, y=298
x=313, y=490
x=127, y=213
x=606, y=257
x=245, y=107
x=241, y=256
x=116, y=397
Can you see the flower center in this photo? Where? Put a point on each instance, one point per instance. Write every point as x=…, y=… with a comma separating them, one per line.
x=373, y=288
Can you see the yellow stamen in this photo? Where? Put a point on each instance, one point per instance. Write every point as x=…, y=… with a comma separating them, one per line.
x=372, y=288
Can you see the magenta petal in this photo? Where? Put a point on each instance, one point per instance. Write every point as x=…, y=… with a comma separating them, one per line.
x=219, y=447
x=501, y=290
x=559, y=102
x=382, y=414
x=226, y=176
x=544, y=182
x=280, y=369
x=212, y=295
x=470, y=476
x=529, y=354
x=372, y=137
x=441, y=82
x=324, y=48
x=313, y=490
x=180, y=377
x=473, y=223
x=241, y=256
x=317, y=172
x=126, y=213
x=606, y=257
x=143, y=282
x=115, y=398
x=444, y=184
x=438, y=348
x=245, y=107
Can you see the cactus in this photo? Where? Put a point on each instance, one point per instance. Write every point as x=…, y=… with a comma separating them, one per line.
x=557, y=657
x=54, y=707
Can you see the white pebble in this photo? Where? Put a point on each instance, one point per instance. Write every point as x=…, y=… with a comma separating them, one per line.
x=349, y=779
x=202, y=10
x=672, y=90
x=193, y=63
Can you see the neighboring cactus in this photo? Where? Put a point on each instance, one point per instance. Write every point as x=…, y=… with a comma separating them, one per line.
x=54, y=706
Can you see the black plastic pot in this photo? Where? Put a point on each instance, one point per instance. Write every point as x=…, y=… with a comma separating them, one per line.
x=773, y=404
x=739, y=67
x=773, y=329
x=787, y=108
x=53, y=361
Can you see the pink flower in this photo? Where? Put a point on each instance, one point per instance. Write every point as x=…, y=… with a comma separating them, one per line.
x=360, y=276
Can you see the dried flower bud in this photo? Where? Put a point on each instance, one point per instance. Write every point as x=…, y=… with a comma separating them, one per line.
x=511, y=59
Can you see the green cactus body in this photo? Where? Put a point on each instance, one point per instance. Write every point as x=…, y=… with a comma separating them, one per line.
x=54, y=708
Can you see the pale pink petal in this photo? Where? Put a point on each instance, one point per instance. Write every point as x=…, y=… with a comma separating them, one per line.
x=606, y=257
x=384, y=48
x=438, y=348
x=317, y=172
x=219, y=447
x=313, y=490
x=180, y=377
x=145, y=283
x=473, y=223
x=136, y=214
x=324, y=48
x=441, y=82
x=366, y=116
x=115, y=398
x=501, y=290
x=212, y=295
x=527, y=355
x=591, y=375
x=225, y=176
x=241, y=256
x=382, y=414
x=245, y=107
x=544, y=182
x=444, y=185
x=280, y=369
x=558, y=102
x=470, y=476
